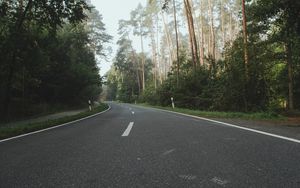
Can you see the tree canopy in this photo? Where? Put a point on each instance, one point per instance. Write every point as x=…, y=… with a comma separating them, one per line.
x=48, y=55
x=228, y=59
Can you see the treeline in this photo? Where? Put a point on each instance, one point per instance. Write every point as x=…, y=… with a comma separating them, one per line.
x=48, y=55
x=224, y=55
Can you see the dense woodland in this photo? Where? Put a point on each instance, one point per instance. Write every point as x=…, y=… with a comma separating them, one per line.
x=48, y=55
x=229, y=55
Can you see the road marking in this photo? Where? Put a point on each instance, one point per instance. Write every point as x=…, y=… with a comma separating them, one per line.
x=132, y=112
x=168, y=152
x=229, y=125
x=188, y=177
x=127, y=131
x=54, y=127
x=219, y=181
x=252, y=130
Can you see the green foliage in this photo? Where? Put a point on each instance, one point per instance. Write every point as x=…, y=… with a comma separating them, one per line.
x=218, y=114
x=47, y=55
x=228, y=83
x=125, y=77
x=10, y=131
x=150, y=95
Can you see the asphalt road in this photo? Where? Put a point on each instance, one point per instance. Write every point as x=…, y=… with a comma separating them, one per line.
x=131, y=146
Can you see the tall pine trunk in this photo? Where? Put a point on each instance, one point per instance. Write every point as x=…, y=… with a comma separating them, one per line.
x=192, y=35
x=154, y=59
x=169, y=40
x=245, y=37
x=177, y=43
x=202, y=35
x=143, y=63
x=222, y=15
x=290, y=72
x=212, y=31
x=135, y=60
x=246, y=59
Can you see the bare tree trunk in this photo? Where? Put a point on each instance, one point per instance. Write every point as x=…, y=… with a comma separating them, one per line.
x=191, y=15
x=245, y=35
x=177, y=45
x=246, y=59
x=155, y=75
x=290, y=74
x=222, y=23
x=230, y=28
x=154, y=59
x=143, y=64
x=157, y=55
x=212, y=31
x=168, y=39
x=135, y=60
x=202, y=35
x=197, y=32
x=192, y=35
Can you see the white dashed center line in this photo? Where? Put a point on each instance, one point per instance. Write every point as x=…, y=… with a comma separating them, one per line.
x=127, y=131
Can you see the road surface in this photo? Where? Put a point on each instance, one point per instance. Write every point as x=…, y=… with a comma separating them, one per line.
x=132, y=146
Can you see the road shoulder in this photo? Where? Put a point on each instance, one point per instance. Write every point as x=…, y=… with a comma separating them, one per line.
x=289, y=128
x=11, y=132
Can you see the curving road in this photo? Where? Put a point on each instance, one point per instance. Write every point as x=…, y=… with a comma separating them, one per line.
x=132, y=146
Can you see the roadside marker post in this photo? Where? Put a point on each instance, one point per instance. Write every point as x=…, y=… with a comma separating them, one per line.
x=90, y=105
x=173, y=105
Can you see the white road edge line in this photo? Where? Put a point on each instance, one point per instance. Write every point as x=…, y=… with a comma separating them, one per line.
x=54, y=127
x=232, y=125
x=127, y=131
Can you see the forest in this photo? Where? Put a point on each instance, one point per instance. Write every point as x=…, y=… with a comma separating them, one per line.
x=217, y=55
x=49, y=51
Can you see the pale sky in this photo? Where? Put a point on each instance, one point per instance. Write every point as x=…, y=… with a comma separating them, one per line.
x=112, y=11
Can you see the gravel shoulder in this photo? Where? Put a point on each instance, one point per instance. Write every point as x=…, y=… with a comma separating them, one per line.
x=289, y=128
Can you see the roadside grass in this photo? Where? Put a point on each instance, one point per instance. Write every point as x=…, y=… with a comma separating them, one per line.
x=10, y=131
x=226, y=115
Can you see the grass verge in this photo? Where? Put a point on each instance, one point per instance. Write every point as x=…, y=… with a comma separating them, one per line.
x=216, y=114
x=7, y=132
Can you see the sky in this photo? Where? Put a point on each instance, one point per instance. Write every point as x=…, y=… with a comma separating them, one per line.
x=112, y=11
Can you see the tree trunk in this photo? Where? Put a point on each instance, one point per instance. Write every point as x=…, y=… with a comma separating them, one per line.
x=154, y=59
x=202, y=35
x=135, y=60
x=290, y=75
x=197, y=33
x=177, y=45
x=143, y=64
x=222, y=23
x=246, y=59
x=169, y=40
x=157, y=56
x=245, y=36
x=212, y=31
x=13, y=56
x=192, y=35
x=230, y=28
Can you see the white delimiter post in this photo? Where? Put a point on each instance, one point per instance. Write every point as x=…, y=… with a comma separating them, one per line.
x=90, y=107
x=173, y=105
